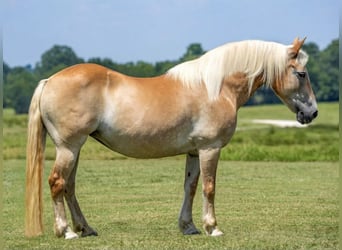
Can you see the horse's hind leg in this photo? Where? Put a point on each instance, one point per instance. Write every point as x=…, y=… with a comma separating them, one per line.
x=79, y=222
x=192, y=172
x=62, y=169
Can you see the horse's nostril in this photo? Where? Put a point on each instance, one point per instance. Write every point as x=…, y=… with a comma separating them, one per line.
x=315, y=114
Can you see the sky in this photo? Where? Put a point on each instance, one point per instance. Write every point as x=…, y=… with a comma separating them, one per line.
x=157, y=30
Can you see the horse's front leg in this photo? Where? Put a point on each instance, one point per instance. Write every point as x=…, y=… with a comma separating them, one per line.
x=208, y=164
x=192, y=172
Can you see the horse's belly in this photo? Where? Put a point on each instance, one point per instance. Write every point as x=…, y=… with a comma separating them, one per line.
x=146, y=146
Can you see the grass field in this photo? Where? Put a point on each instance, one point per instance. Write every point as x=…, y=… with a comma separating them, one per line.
x=277, y=189
x=134, y=204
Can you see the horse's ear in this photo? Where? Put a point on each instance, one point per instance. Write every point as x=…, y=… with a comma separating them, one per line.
x=296, y=45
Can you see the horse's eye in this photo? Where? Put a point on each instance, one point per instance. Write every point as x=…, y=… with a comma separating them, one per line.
x=300, y=74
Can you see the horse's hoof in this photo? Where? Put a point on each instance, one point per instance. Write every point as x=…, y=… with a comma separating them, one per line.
x=191, y=231
x=89, y=232
x=69, y=234
x=216, y=232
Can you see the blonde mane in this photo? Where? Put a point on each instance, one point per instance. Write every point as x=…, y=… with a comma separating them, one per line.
x=251, y=57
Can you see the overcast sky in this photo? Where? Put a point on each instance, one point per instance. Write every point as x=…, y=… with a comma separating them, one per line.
x=157, y=30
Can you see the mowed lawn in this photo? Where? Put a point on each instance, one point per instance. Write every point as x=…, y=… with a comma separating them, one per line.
x=134, y=204
x=276, y=189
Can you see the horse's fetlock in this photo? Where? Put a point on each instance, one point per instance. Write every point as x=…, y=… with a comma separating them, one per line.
x=60, y=229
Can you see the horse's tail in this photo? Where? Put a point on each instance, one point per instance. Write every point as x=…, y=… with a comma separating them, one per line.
x=34, y=166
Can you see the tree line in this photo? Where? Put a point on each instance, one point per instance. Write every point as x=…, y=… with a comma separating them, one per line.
x=20, y=81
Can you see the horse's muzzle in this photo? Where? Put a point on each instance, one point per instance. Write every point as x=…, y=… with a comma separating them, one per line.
x=306, y=117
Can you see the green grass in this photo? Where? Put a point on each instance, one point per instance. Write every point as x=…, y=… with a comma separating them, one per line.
x=134, y=204
x=258, y=142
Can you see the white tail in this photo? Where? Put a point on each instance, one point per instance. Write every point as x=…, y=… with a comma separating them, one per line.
x=34, y=166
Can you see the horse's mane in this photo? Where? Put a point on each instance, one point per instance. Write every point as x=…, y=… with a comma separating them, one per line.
x=251, y=57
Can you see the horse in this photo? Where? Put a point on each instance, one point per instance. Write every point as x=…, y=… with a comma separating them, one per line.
x=191, y=109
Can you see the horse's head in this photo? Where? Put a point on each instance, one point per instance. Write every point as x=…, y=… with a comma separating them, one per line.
x=294, y=88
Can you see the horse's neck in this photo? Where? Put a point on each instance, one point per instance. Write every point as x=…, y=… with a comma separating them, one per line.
x=237, y=89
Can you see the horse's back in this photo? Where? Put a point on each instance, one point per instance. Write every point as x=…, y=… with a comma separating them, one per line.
x=81, y=75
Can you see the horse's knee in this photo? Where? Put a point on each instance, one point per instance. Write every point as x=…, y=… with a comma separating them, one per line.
x=57, y=184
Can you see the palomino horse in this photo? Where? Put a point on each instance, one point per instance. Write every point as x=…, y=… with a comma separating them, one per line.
x=192, y=110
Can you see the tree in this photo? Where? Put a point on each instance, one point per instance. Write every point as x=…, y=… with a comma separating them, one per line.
x=18, y=88
x=193, y=51
x=55, y=59
x=6, y=70
x=142, y=69
x=162, y=67
x=329, y=73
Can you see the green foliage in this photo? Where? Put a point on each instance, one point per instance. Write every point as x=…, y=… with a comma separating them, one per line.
x=328, y=78
x=18, y=87
x=20, y=82
x=193, y=51
x=55, y=59
x=162, y=67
